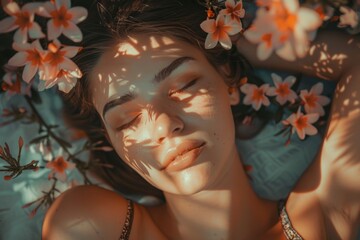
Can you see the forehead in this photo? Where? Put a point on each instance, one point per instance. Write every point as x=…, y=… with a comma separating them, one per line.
x=132, y=60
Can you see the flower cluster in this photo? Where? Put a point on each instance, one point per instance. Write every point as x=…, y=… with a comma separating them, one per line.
x=311, y=102
x=43, y=54
x=283, y=27
x=224, y=24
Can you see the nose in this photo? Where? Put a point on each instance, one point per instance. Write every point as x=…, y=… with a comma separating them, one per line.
x=167, y=126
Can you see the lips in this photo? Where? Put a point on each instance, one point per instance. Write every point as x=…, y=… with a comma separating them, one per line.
x=183, y=155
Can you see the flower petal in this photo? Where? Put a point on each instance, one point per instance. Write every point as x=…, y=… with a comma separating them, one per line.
x=234, y=28
x=35, y=31
x=290, y=80
x=46, y=9
x=291, y=5
x=59, y=3
x=71, y=51
x=20, y=36
x=323, y=100
x=52, y=30
x=210, y=41
x=18, y=60
x=300, y=133
x=79, y=14
x=276, y=79
x=73, y=32
x=271, y=91
x=302, y=43
x=286, y=52
x=208, y=26
x=308, y=19
x=225, y=41
x=11, y=8
x=263, y=52
x=68, y=65
x=311, y=130
x=8, y=25
x=317, y=88
x=29, y=72
x=312, y=117
x=32, y=7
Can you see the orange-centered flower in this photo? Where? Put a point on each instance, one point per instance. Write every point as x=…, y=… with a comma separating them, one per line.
x=255, y=95
x=21, y=19
x=61, y=17
x=313, y=100
x=58, y=168
x=282, y=89
x=302, y=124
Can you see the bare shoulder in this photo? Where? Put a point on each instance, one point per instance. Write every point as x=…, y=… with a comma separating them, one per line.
x=87, y=212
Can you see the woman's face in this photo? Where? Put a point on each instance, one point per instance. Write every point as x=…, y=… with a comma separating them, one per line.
x=166, y=111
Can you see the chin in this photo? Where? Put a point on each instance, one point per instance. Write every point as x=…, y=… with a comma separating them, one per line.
x=192, y=180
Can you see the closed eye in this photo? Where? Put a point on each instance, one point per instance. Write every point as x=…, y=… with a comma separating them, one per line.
x=188, y=85
x=128, y=124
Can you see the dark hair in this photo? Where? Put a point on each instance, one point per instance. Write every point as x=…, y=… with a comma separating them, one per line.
x=113, y=20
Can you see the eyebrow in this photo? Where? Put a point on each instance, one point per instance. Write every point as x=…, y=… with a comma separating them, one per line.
x=160, y=76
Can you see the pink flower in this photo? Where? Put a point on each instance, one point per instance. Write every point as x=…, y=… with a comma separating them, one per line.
x=302, y=124
x=30, y=55
x=23, y=20
x=282, y=89
x=57, y=58
x=284, y=27
x=59, y=166
x=234, y=10
x=63, y=19
x=219, y=30
x=255, y=95
x=313, y=101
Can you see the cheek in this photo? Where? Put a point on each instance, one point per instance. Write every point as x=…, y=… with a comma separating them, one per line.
x=131, y=150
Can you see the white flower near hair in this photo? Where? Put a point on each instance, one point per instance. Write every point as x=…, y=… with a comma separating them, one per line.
x=227, y=23
x=234, y=10
x=57, y=58
x=219, y=30
x=282, y=89
x=65, y=80
x=255, y=96
x=63, y=19
x=302, y=124
x=21, y=19
x=313, y=101
x=29, y=55
x=284, y=27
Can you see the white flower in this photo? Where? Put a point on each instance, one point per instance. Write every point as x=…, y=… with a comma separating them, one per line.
x=282, y=89
x=302, y=124
x=313, y=101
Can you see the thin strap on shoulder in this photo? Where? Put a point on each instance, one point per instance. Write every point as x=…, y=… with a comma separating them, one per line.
x=126, y=230
x=289, y=231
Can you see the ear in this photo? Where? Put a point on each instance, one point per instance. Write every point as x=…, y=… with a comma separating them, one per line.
x=234, y=95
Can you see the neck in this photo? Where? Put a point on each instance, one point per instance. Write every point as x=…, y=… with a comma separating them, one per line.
x=228, y=209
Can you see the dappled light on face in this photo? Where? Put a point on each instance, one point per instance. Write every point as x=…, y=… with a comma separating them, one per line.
x=126, y=49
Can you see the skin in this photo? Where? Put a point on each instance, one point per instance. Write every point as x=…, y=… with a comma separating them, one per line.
x=220, y=204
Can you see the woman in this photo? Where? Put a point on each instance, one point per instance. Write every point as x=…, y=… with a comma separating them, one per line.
x=160, y=97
